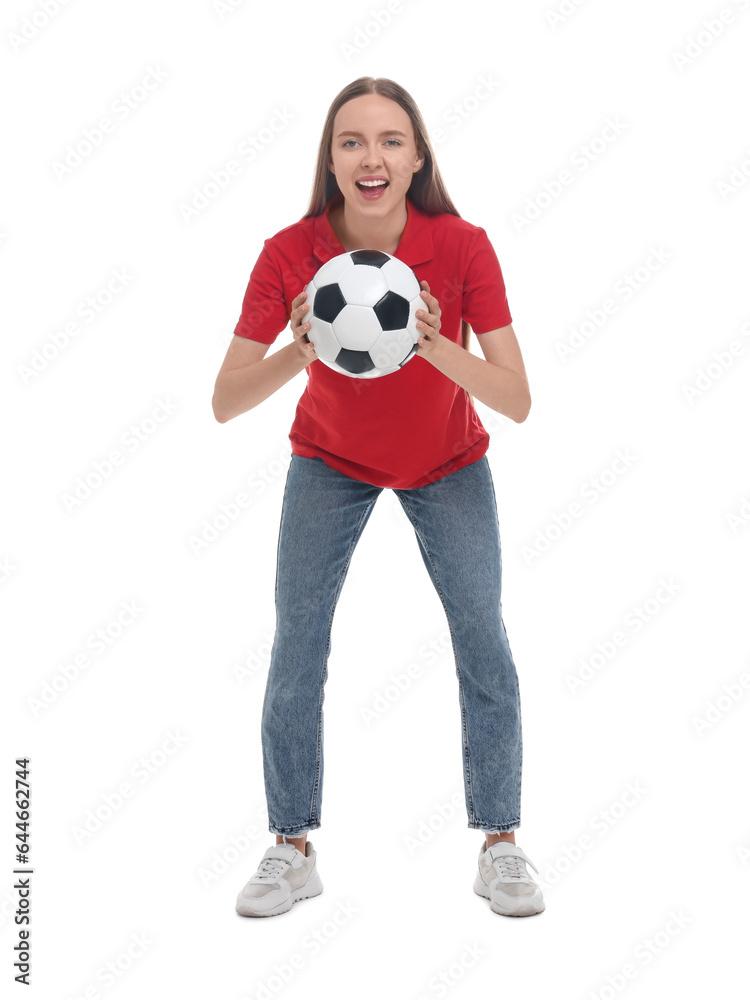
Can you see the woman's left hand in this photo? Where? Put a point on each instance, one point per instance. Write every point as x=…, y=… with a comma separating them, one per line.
x=428, y=320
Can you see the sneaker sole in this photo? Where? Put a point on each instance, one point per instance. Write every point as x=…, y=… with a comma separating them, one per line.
x=312, y=888
x=525, y=907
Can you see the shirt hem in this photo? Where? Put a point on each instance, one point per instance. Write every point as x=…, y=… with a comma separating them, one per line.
x=386, y=480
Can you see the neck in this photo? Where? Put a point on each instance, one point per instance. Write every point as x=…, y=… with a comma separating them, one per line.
x=358, y=232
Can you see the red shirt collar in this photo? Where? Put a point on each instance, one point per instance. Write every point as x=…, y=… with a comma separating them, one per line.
x=414, y=247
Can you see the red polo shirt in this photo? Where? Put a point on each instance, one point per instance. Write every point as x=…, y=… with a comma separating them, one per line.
x=415, y=425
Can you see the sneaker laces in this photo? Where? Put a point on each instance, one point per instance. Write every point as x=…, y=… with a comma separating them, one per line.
x=271, y=868
x=513, y=867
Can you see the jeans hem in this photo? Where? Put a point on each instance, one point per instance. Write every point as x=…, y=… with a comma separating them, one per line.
x=499, y=828
x=298, y=832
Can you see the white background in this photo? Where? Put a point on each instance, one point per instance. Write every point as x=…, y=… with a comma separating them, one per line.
x=168, y=711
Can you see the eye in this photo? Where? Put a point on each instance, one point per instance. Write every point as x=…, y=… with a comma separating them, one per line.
x=345, y=144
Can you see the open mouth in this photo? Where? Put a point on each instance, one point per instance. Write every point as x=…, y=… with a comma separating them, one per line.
x=372, y=189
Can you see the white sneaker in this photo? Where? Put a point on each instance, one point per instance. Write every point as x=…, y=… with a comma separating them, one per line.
x=503, y=879
x=285, y=876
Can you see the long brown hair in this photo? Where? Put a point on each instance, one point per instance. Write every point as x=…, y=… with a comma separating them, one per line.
x=426, y=190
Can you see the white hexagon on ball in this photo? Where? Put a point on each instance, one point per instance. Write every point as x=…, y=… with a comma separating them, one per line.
x=400, y=280
x=363, y=285
x=333, y=270
x=356, y=328
x=391, y=348
x=322, y=337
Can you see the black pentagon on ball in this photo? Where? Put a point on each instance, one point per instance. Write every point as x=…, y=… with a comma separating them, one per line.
x=328, y=303
x=375, y=258
x=355, y=362
x=392, y=311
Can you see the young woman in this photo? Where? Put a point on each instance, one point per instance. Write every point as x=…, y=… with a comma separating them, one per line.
x=415, y=431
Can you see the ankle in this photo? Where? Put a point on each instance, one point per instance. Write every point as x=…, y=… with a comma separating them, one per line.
x=298, y=842
x=509, y=836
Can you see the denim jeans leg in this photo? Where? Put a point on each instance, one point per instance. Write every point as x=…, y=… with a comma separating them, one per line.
x=323, y=515
x=456, y=524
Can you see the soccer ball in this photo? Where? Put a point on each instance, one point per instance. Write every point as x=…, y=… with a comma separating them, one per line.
x=362, y=313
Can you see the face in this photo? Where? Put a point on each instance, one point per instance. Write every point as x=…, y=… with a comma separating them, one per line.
x=373, y=138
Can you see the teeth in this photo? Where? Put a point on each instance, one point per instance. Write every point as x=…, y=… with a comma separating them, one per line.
x=372, y=183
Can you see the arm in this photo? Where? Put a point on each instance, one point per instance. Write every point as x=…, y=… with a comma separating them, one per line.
x=499, y=381
x=247, y=376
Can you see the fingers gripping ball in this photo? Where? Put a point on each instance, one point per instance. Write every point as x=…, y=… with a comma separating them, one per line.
x=362, y=313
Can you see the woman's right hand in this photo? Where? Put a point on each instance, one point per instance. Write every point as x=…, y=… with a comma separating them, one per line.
x=300, y=326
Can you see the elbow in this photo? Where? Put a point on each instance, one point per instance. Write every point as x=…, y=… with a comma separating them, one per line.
x=523, y=413
x=219, y=414
x=516, y=400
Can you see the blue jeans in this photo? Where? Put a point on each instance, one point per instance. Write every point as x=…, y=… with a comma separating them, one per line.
x=455, y=520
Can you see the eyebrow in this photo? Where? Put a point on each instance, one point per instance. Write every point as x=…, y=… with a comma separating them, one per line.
x=390, y=131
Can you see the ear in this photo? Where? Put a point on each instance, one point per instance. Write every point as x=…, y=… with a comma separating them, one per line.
x=418, y=164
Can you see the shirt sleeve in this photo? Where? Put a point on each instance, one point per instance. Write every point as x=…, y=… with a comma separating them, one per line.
x=485, y=304
x=264, y=310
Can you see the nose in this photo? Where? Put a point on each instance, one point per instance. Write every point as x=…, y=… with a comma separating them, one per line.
x=370, y=155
